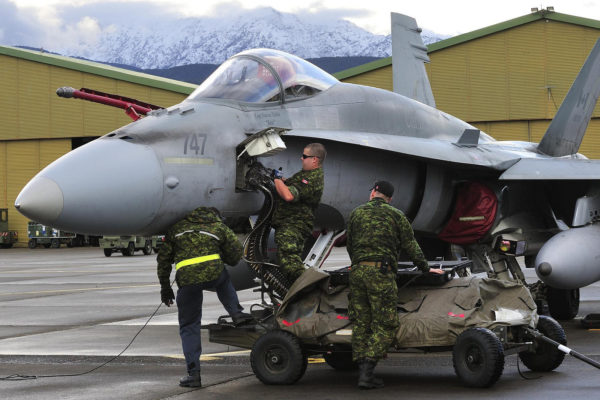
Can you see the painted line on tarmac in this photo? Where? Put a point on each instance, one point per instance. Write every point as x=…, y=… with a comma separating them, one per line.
x=78, y=290
x=213, y=356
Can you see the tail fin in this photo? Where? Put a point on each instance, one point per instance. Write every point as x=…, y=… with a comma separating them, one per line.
x=408, y=57
x=565, y=133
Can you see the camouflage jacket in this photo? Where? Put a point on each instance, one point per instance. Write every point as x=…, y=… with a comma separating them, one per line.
x=377, y=231
x=200, y=233
x=307, y=188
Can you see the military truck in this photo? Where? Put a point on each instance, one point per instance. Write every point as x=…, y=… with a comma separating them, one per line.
x=7, y=238
x=47, y=236
x=128, y=245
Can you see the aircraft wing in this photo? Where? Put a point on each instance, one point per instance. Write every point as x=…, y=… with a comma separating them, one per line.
x=518, y=160
x=553, y=169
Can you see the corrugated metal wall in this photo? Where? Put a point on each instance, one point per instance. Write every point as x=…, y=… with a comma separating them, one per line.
x=3, y=157
x=380, y=78
x=31, y=108
x=511, y=83
x=520, y=73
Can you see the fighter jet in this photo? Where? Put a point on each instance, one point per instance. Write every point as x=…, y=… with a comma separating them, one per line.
x=466, y=194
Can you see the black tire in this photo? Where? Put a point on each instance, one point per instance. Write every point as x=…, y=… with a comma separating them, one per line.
x=55, y=243
x=147, y=248
x=546, y=356
x=478, y=357
x=129, y=250
x=563, y=303
x=341, y=360
x=277, y=358
x=107, y=252
x=46, y=245
x=32, y=244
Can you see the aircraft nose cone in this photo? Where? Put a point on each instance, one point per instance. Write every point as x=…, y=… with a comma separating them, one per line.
x=544, y=269
x=40, y=200
x=106, y=187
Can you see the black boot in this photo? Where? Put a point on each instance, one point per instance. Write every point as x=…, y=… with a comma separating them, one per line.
x=241, y=317
x=366, y=379
x=191, y=380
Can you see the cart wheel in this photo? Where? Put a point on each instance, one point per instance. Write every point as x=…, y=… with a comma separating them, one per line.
x=341, y=360
x=107, y=252
x=32, y=244
x=129, y=250
x=147, y=248
x=546, y=357
x=55, y=243
x=563, y=303
x=478, y=357
x=277, y=358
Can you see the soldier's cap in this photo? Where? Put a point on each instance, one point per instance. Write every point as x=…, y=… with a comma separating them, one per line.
x=384, y=187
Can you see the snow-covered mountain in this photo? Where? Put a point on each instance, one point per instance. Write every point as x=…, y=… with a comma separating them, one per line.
x=212, y=40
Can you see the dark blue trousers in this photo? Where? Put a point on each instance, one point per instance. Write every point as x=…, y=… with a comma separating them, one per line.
x=189, y=307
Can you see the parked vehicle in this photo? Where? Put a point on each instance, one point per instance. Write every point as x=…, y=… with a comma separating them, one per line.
x=47, y=236
x=128, y=245
x=7, y=238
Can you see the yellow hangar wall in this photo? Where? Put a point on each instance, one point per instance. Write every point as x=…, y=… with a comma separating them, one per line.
x=37, y=126
x=509, y=83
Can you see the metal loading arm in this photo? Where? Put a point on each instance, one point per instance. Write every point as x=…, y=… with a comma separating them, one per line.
x=537, y=335
x=270, y=275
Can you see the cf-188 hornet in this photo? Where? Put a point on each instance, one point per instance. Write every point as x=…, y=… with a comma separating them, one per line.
x=465, y=193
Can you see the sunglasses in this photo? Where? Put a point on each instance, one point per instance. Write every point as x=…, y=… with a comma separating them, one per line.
x=304, y=156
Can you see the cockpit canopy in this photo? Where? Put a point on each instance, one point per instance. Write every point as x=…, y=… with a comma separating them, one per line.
x=264, y=75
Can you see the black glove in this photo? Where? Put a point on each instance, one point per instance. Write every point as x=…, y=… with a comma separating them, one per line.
x=166, y=295
x=277, y=174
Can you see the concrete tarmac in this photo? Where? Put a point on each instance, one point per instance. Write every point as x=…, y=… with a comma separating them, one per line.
x=66, y=312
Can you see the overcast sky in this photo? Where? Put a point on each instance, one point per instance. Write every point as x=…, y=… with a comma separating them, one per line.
x=41, y=22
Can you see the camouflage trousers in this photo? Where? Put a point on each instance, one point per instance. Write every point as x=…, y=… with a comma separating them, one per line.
x=372, y=309
x=290, y=243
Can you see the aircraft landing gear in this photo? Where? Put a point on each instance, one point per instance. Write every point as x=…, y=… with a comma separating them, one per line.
x=563, y=303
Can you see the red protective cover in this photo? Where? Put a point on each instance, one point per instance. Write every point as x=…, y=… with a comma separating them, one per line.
x=473, y=215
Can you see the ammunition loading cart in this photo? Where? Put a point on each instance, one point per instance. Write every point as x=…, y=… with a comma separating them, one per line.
x=479, y=319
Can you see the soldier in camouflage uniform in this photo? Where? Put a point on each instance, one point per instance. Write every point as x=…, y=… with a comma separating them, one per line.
x=294, y=214
x=199, y=245
x=376, y=233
